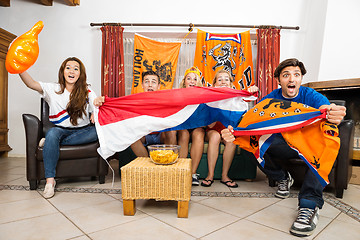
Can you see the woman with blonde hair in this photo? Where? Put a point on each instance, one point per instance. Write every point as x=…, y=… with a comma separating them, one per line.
x=222, y=78
x=192, y=78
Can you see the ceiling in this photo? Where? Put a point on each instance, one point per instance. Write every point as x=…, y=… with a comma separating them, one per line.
x=6, y=3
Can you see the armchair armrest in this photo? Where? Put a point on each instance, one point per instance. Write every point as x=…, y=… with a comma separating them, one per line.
x=33, y=133
x=343, y=170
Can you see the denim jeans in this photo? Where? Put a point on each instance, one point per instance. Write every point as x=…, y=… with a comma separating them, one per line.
x=56, y=137
x=311, y=188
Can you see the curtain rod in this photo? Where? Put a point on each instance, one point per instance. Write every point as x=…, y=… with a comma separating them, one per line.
x=190, y=25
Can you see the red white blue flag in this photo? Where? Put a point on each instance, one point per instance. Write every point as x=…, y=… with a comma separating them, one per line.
x=124, y=120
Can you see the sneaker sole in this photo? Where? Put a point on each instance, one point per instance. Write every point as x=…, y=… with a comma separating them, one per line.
x=301, y=234
x=281, y=196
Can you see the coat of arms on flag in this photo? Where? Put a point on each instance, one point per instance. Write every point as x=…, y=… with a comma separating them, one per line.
x=231, y=52
x=151, y=55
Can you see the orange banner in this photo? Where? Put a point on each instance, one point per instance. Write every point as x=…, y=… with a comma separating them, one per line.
x=160, y=57
x=231, y=52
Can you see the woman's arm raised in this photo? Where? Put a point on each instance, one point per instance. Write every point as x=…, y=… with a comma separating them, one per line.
x=30, y=82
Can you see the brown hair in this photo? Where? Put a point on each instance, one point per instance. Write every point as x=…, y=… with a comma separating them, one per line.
x=291, y=62
x=151, y=73
x=79, y=95
x=223, y=71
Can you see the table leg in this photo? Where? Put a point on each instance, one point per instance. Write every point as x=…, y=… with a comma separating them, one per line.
x=129, y=207
x=183, y=209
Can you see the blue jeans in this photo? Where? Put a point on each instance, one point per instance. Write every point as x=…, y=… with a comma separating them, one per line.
x=311, y=189
x=56, y=137
x=152, y=139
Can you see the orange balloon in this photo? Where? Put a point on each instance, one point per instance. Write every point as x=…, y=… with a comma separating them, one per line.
x=24, y=50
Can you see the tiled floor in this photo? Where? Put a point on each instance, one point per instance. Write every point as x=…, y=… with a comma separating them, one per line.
x=83, y=209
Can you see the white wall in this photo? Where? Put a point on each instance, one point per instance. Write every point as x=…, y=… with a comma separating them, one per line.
x=341, y=45
x=67, y=33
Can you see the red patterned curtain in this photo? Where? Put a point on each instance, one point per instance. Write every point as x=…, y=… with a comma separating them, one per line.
x=112, y=62
x=268, y=54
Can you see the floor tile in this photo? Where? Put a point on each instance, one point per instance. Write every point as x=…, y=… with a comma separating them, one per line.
x=54, y=226
x=21, y=170
x=145, y=228
x=347, y=230
x=21, y=180
x=87, y=210
x=100, y=216
x=7, y=196
x=151, y=206
x=24, y=209
x=7, y=178
x=81, y=238
x=345, y=218
x=240, y=207
x=202, y=220
x=351, y=196
x=65, y=201
x=247, y=230
x=280, y=218
x=116, y=196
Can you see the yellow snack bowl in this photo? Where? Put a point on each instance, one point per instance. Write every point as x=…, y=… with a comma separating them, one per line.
x=164, y=154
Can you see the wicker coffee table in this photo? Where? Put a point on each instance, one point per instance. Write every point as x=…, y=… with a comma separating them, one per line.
x=143, y=179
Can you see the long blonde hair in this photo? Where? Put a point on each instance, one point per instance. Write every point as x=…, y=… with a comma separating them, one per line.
x=79, y=95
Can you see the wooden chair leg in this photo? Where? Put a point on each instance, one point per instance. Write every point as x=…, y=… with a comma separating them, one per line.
x=183, y=209
x=129, y=207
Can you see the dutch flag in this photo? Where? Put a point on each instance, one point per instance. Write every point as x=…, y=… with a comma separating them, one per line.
x=124, y=120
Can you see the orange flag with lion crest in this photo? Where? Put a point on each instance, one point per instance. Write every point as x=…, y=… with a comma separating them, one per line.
x=231, y=52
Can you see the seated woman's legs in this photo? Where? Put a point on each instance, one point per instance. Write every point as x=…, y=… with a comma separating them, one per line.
x=54, y=138
x=214, y=139
x=169, y=137
x=228, y=157
x=59, y=136
x=197, y=147
x=81, y=136
x=183, y=141
x=139, y=149
x=51, y=151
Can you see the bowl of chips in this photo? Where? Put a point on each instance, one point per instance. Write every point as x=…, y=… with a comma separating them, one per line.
x=164, y=154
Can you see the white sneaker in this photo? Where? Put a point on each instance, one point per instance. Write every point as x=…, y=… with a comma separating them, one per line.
x=305, y=222
x=195, y=179
x=49, y=190
x=283, y=190
x=42, y=142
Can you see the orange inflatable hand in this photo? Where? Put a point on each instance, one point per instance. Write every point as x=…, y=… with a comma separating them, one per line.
x=24, y=51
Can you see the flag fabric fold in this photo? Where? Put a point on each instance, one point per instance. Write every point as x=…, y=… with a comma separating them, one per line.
x=124, y=120
x=304, y=128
